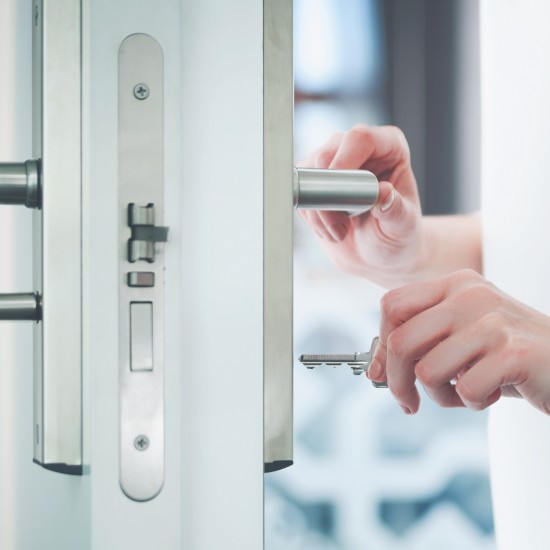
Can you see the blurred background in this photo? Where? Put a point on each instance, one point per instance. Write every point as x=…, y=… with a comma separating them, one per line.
x=365, y=475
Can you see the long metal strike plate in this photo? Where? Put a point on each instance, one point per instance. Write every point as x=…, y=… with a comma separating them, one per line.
x=141, y=181
x=57, y=239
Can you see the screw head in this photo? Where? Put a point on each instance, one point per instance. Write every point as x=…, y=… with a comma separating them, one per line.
x=141, y=442
x=141, y=91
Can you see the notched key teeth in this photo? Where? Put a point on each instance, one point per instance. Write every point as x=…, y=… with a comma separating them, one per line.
x=358, y=362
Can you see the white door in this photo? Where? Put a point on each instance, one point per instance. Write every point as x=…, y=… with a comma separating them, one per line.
x=149, y=389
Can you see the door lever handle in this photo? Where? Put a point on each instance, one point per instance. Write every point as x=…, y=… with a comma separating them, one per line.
x=20, y=307
x=20, y=183
x=352, y=191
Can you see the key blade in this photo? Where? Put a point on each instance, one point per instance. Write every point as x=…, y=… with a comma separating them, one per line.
x=327, y=359
x=359, y=362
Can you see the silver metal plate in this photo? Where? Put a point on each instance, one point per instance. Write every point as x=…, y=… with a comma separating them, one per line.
x=141, y=182
x=58, y=235
x=278, y=227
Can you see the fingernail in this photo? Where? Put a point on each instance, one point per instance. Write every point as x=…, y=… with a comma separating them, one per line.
x=406, y=410
x=388, y=202
x=375, y=370
x=338, y=231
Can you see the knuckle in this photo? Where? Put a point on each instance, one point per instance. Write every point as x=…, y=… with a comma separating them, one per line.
x=492, y=326
x=474, y=293
x=360, y=133
x=396, y=345
x=389, y=304
x=397, y=132
x=360, y=128
x=514, y=350
x=425, y=374
x=464, y=275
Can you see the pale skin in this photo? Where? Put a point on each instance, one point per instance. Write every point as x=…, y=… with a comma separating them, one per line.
x=443, y=324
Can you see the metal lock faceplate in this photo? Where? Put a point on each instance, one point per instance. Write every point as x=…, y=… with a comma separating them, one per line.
x=141, y=266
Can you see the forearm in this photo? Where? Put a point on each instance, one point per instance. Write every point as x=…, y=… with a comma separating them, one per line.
x=451, y=243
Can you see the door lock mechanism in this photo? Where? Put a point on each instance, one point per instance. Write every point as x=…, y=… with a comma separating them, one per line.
x=141, y=220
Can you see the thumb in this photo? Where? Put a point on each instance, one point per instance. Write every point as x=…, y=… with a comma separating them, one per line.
x=396, y=214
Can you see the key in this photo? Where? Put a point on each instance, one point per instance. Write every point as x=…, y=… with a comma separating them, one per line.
x=359, y=362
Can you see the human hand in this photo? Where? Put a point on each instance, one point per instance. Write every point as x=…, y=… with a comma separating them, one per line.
x=465, y=341
x=387, y=242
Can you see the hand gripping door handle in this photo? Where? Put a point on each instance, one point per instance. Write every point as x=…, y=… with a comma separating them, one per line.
x=352, y=191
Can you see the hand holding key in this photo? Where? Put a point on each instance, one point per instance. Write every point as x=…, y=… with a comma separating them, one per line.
x=466, y=341
x=359, y=362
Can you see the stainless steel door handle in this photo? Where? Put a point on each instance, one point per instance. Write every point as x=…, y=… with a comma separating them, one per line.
x=352, y=191
x=20, y=183
x=20, y=307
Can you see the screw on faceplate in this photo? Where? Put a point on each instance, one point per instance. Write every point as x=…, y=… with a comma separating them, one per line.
x=141, y=91
x=141, y=442
x=36, y=16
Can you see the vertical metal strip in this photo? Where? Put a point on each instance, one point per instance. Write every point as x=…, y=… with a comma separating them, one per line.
x=278, y=220
x=141, y=183
x=58, y=234
x=38, y=412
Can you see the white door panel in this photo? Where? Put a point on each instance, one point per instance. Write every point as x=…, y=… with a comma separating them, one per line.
x=214, y=286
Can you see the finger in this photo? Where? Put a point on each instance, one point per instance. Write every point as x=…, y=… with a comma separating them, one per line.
x=314, y=220
x=332, y=226
x=307, y=162
x=377, y=373
x=377, y=367
x=397, y=306
x=407, y=344
x=364, y=143
x=448, y=361
x=401, y=304
x=397, y=216
x=335, y=223
x=325, y=155
x=481, y=386
x=322, y=157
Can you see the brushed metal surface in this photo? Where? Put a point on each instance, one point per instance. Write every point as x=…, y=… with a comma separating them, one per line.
x=278, y=229
x=19, y=183
x=20, y=307
x=57, y=232
x=141, y=182
x=352, y=191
